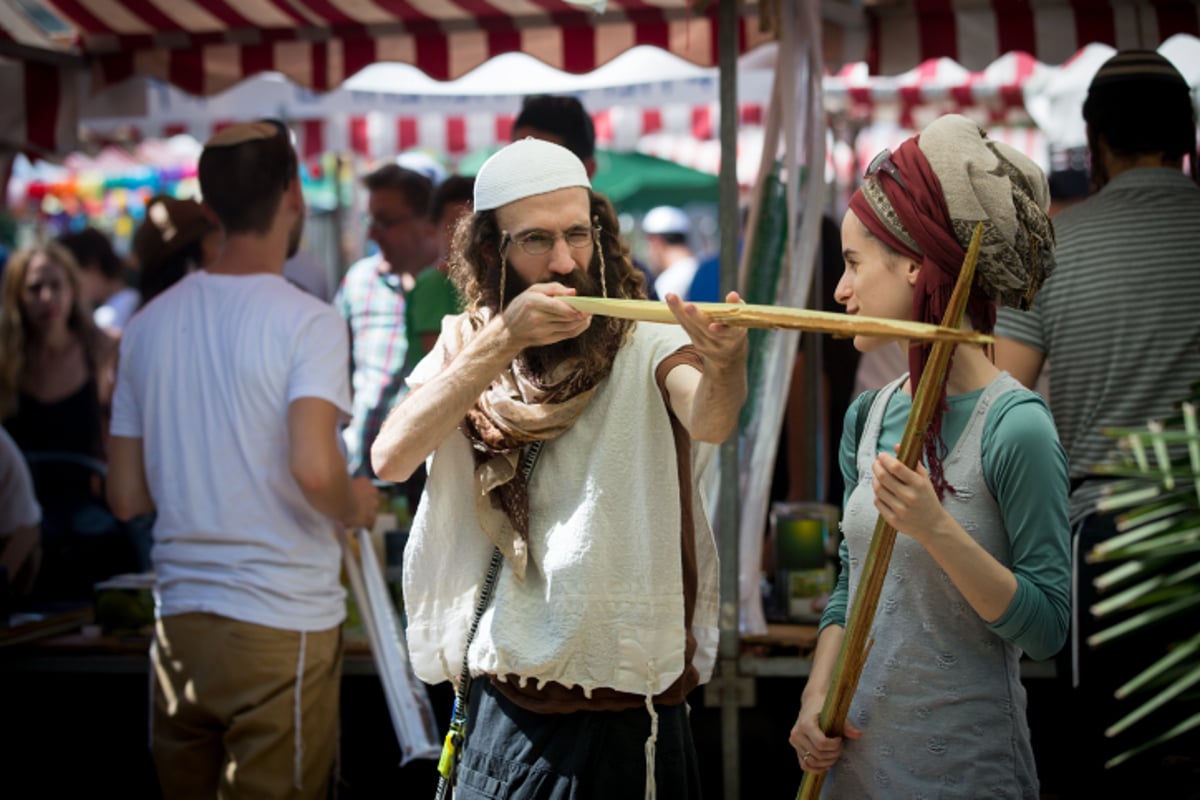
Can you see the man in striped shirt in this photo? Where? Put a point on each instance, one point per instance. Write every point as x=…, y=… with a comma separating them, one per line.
x=371, y=299
x=1118, y=321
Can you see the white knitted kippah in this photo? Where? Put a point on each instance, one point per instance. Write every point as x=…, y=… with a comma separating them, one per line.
x=525, y=168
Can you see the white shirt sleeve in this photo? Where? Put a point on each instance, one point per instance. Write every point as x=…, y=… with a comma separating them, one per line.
x=126, y=417
x=321, y=361
x=18, y=505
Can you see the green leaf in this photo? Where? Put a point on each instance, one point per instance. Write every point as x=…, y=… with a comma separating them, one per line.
x=1189, y=724
x=1160, y=667
x=1143, y=619
x=1158, y=701
x=1133, y=593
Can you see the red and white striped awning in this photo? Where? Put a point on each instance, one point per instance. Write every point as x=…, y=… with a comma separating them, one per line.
x=205, y=46
x=935, y=87
x=38, y=114
x=381, y=134
x=975, y=33
x=38, y=84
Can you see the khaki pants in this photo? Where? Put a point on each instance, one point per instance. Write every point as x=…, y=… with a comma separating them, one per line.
x=226, y=704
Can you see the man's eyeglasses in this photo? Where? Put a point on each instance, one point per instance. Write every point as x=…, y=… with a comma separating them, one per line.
x=538, y=243
x=883, y=163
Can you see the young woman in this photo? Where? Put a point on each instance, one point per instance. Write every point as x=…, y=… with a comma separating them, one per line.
x=980, y=570
x=56, y=382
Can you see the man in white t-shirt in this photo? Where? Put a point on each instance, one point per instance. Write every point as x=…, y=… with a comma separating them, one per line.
x=225, y=422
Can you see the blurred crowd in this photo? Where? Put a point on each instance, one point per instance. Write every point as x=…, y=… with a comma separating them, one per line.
x=67, y=300
x=65, y=304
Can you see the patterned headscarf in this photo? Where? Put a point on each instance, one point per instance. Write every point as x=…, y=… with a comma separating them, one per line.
x=925, y=200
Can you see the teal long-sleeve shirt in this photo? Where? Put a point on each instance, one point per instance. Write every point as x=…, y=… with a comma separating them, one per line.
x=1025, y=468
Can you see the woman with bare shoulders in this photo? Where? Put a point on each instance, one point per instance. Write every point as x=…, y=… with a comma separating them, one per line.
x=57, y=371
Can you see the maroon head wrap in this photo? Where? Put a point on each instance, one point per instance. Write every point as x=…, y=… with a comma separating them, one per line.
x=902, y=203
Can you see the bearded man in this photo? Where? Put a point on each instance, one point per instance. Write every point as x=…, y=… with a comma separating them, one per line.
x=604, y=613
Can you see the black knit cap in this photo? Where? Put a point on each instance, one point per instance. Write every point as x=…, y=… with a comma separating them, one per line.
x=1138, y=102
x=1137, y=65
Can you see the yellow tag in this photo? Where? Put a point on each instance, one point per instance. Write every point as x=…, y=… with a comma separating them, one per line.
x=446, y=761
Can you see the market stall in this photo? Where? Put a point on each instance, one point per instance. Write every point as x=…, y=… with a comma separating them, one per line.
x=206, y=47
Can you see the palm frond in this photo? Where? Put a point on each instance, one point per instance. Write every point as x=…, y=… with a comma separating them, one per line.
x=1154, y=584
x=1187, y=725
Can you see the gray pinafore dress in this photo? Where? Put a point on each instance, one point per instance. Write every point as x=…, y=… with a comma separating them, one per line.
x=940, y=701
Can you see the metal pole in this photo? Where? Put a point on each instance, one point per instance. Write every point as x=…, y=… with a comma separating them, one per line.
x=727, y=527
x=339, y=209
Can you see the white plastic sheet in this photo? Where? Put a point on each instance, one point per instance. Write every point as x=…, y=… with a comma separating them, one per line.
x=408, y=702
x=796, y=124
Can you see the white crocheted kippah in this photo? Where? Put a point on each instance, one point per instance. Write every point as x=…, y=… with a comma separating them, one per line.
x=526, y=168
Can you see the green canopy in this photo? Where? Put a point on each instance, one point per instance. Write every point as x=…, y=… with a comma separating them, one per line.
x=634, y=182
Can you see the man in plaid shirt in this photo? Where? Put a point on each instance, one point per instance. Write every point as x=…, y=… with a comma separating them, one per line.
x=371, y=299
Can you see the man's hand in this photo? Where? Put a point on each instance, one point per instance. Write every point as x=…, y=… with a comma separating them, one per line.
x=534, y=318
x=415, y=427
x=708, y=402
x=719, y=345
x=366, y=503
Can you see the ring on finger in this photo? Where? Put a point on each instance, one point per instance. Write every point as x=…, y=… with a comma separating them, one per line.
x=807, y=756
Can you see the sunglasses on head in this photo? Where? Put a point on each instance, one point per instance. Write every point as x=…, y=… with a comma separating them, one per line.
x=882, y=162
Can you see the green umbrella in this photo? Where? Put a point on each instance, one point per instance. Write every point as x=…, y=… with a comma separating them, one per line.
x=634, y=182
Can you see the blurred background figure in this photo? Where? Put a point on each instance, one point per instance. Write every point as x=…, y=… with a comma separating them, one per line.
x=177, y=236
x=1117, y=321
x=311, y=274
x=105, y=279
x=671, y=258
x=433, y=296
x=56, y=382
x=1068, y=187
x=20, y=524
x=372, y=296
x=560, y=119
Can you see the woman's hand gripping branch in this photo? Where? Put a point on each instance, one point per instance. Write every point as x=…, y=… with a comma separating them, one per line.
x=816, y=752
x=906, y=500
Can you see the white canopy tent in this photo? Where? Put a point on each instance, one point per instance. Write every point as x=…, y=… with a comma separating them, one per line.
x=390, y=107
x=645, y=99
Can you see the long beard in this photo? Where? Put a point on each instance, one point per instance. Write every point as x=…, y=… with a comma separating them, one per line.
x=592, y=351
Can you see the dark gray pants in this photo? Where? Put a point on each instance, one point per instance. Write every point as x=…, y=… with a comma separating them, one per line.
x=514, y=754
